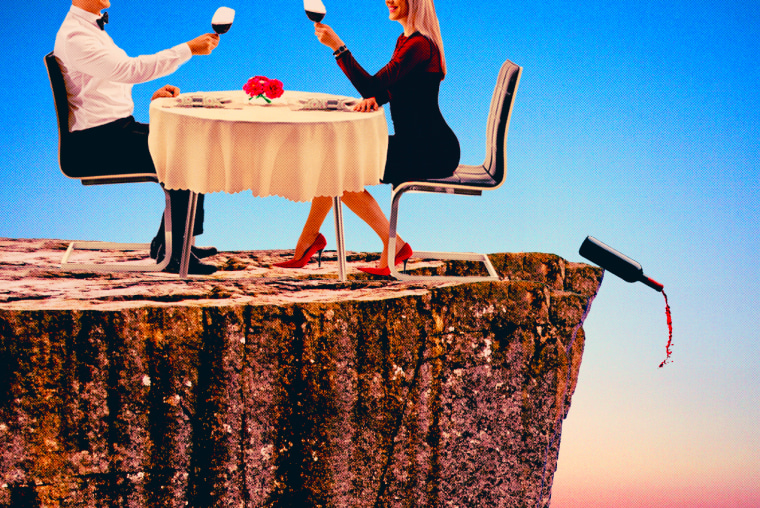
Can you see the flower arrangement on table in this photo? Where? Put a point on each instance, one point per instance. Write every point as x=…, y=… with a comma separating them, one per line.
x=261, y=87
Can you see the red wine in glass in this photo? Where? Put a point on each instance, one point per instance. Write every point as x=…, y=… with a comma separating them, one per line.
x=222, y=20
x=221, y=28
x=315, y=10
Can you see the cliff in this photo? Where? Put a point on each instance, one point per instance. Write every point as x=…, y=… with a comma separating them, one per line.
x=264, y=387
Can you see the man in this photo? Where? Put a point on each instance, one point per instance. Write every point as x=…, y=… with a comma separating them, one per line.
x=105, y=138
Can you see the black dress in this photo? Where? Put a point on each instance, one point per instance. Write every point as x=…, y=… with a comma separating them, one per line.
x=423, y=146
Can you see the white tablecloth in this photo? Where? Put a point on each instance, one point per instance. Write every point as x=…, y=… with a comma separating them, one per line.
x=271, y=150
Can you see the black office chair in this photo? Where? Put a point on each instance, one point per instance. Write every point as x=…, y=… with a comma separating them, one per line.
x=60, y=96
x=467, y=180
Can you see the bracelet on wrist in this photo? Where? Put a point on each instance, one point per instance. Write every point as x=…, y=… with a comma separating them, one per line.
x=340, y=51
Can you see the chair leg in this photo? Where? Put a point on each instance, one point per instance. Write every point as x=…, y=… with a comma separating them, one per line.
x=340, y=239
x=188, y=238
x=459, y=256
x=125, y=266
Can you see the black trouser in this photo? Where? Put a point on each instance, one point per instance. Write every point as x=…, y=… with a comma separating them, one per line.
x=119, y=148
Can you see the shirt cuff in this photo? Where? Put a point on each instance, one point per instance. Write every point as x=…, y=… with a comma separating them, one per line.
x=183, y=51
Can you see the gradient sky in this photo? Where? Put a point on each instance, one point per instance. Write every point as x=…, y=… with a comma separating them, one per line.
x=635, y=123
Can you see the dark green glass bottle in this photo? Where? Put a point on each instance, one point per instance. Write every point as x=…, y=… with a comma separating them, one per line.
x=616, y=262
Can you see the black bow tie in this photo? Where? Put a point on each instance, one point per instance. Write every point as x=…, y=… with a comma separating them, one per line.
x=102, y=21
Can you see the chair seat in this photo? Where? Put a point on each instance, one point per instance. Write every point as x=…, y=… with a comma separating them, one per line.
x=112, y=179
x=475, y=176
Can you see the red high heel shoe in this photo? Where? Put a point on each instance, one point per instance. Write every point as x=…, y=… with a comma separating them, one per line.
x=402, y=256
x=317, y=246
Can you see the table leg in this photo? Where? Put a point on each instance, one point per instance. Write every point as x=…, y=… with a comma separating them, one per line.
x=187, y=241
x=338, y=213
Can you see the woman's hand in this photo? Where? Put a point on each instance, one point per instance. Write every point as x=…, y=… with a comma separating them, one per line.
x=166, y=91
x=327, y=36
x=367, y=105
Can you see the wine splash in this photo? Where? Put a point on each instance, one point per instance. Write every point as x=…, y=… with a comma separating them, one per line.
x=668, y=350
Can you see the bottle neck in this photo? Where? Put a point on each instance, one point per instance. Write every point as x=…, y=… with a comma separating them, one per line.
x=652, y=283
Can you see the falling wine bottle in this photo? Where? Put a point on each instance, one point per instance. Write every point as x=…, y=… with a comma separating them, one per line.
x=315, y=10
x=630, y=271
x=616, y=263
x=222, y=20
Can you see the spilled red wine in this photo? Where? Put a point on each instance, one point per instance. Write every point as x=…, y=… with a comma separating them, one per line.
x=668, y=347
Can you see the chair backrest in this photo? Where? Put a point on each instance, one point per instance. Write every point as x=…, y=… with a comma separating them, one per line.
x=498, y=120
x=58, y=85
x=61, y=98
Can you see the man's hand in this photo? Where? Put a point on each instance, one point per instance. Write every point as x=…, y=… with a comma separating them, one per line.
x=327, y=36
x=367, y=105
x=204, y=44
x=166, y=91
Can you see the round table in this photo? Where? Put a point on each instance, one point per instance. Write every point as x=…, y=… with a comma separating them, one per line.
x=269, y=149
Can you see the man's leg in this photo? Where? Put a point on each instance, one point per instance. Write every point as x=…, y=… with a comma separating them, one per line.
x=121, y=147
x=179, y=200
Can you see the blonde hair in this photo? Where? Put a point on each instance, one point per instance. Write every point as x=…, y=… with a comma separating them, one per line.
x=422, y=18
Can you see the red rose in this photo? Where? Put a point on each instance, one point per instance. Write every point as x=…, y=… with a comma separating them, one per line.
x=263, y=87
x=255, y=86
x=273, y=88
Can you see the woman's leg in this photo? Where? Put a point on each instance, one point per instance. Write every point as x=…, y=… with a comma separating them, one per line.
x=365, y=206
x=320, y=207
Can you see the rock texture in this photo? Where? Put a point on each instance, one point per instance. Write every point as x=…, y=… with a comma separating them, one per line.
x=259, y=387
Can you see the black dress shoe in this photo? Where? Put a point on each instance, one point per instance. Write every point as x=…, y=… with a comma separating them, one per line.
x=157, y=251
x=156, y=246
x=204, y=252
x=196, y=267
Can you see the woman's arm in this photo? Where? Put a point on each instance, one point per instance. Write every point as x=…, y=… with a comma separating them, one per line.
x=409, y=53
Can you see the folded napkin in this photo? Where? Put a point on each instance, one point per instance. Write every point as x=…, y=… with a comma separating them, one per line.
x=201, y=101
x=326, y=104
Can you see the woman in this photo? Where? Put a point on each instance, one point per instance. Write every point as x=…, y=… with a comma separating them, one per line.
x=423, y=145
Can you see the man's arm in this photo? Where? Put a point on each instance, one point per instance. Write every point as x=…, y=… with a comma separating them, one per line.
x=87, y=55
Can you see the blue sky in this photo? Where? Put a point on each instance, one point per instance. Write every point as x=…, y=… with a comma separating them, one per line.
x=635, y=123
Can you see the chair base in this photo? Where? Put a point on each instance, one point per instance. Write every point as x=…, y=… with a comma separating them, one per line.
x=126, y=266
x=112, y=267
x=447, y=256
x=439, y=188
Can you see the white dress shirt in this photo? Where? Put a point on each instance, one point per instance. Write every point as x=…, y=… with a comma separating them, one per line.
x=99, y=75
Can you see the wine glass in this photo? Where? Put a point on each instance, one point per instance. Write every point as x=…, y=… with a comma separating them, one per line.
x=315, y=10
x=222, y=20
